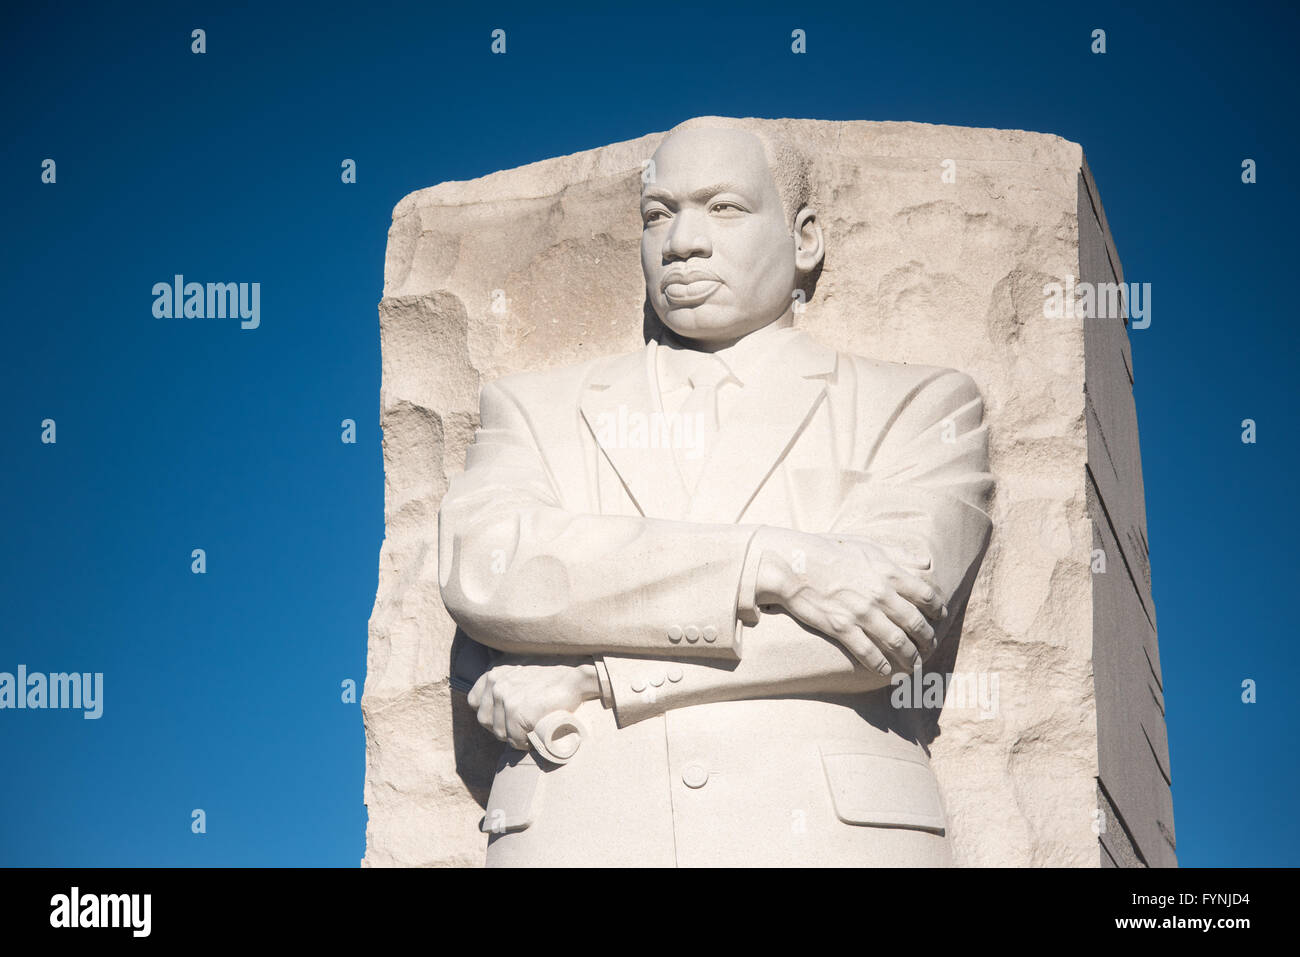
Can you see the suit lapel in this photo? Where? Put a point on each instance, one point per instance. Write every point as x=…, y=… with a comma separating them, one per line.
x=621, y=406
x=775, y=410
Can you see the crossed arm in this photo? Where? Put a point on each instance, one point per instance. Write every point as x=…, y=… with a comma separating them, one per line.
x=661, y=606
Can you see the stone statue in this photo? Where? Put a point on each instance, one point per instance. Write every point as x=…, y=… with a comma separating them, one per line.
x=699, y=565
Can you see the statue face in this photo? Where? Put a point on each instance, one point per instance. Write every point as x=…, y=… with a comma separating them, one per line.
x=718, y=256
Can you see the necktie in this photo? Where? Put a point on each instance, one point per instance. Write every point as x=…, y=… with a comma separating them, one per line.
x=699, y=425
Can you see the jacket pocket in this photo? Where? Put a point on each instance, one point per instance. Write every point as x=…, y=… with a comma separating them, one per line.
x=877, y=790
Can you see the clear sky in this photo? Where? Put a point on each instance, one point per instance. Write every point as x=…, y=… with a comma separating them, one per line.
x=222, y=691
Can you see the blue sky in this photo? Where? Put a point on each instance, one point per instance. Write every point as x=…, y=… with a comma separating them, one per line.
x=222, y=691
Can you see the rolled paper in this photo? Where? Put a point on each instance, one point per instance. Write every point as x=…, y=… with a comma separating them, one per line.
x=557, y=737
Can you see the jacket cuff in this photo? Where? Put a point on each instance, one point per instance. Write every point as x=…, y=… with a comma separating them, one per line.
x=606, y=688
x=746, y=605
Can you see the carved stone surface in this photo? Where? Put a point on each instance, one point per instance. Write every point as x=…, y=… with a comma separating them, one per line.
x=538, y=268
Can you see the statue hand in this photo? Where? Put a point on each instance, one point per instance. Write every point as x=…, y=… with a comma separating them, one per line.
x=511, y=699
x=852, y=591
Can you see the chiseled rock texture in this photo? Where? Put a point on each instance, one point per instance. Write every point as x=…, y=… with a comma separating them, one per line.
x=539, y=266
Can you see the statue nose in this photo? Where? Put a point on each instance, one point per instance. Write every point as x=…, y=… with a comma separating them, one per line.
x=686, y=238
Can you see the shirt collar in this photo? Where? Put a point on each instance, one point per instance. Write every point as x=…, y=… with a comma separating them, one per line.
x=742, y=360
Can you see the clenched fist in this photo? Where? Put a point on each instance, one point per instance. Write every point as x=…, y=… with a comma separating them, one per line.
x=511, y=699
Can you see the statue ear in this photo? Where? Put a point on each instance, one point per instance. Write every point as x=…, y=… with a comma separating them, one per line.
x=809, y=248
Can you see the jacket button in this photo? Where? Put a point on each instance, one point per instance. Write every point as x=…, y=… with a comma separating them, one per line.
x=692, y=634
x=675, y=634
x=638, y=685
x=657, y=680
x=695, y=776
x=710, y=633
x=674, y=674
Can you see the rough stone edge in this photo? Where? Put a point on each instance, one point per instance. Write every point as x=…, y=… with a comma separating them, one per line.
x=1116, y=844
x=486, y=187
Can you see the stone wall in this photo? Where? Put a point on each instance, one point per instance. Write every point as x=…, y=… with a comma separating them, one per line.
x=1133, y=749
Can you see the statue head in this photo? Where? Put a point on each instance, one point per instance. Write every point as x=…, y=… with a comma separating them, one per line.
x=728, y=238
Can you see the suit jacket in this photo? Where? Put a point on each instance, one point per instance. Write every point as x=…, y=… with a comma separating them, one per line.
x=731, y=736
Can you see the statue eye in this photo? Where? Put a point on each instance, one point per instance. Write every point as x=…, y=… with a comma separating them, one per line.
x=653, y=216
x=727, y=206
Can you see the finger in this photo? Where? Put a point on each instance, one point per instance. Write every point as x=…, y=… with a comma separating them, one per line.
x=517, y=733
x=808, y=613
x=921, y=595
x=906, y=616
x=499, y=718
x=518, y=724
x=476, y=692
x=485, y=711
x=841, y=626
x=856, y=642
x=890, y=639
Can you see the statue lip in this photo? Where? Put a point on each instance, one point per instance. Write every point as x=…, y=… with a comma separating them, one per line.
x=687, y=277
x=692, y=293
x=689, y=287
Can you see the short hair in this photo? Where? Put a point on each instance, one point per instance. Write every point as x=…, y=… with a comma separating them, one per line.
x=790, y=166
